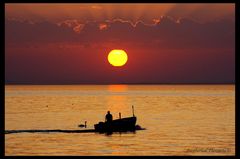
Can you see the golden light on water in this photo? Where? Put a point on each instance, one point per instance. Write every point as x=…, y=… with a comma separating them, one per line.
x=174, y=115
x=117, y=102
x=117, y=88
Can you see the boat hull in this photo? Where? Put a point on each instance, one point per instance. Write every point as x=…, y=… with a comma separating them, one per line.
x=121, y=125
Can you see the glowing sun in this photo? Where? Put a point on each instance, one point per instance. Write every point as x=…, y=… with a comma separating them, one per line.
x=117, y=57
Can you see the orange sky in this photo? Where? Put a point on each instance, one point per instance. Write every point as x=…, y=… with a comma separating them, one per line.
x=134, y=12
x=165, y=43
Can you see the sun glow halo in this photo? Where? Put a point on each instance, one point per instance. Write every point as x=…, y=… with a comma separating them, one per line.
x=117, y=57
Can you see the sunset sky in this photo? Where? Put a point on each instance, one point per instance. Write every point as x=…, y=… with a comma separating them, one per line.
x=165, y=43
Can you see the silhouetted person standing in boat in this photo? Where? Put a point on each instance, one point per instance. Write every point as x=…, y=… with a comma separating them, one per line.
x=108, y=117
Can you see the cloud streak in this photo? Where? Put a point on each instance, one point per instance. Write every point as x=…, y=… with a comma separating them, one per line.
x=164, y=31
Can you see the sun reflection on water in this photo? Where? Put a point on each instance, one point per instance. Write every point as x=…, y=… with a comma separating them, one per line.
x=116, y=103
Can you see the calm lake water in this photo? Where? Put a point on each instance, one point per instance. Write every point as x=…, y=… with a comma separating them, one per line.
x=180, y=119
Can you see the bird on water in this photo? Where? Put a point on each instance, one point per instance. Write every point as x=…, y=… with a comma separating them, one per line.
x=83, y=125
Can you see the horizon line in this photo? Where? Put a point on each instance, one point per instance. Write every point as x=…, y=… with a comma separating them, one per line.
x=229, y=83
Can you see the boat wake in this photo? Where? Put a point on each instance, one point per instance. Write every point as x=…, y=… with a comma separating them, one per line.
x=59, y=131
x=49, y=131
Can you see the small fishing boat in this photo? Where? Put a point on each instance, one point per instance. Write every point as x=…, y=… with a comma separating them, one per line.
x=117, y=125
x=124, y=124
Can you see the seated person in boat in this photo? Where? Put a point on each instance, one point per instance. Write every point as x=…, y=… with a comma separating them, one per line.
x=108, y=117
